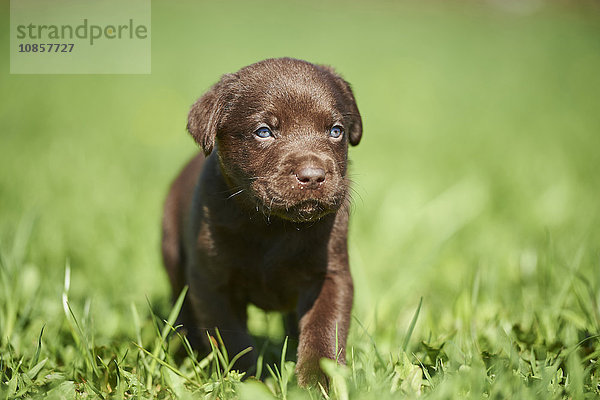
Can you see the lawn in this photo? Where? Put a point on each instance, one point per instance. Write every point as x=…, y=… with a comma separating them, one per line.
x=474, y=243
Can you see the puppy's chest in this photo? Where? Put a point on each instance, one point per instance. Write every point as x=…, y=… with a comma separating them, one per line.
x=272, y=275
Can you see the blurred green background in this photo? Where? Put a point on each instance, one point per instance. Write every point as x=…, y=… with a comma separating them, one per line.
x=477, y=182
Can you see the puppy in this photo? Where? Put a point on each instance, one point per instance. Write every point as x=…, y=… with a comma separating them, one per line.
x=262, y=216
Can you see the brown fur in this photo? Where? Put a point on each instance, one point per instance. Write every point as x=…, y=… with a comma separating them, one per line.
x=265, y=220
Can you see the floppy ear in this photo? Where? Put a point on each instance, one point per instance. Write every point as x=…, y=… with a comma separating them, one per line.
x=355, y=132
x=355, y=129
x=208, y=112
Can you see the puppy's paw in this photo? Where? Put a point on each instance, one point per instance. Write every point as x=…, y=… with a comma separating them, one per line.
x=310, y=374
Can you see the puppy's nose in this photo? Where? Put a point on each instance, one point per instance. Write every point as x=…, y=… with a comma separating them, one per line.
x=310, y=176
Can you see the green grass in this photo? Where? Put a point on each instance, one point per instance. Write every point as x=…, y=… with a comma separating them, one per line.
x=474, y=241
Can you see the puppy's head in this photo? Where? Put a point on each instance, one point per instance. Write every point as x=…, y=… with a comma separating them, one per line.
x=281, y=129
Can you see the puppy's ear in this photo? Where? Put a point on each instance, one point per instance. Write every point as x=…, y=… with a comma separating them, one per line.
x=355, y=129
x=208, y=112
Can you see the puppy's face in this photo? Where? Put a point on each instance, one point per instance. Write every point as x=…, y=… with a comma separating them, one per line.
x=282, y=129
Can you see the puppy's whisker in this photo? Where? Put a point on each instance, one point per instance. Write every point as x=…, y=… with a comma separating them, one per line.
x=235, y=194
x=253, y=178
x=354, y=191
x=229, y=190
x=270, y=208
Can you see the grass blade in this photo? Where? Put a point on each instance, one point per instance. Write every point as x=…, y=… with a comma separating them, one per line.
x=411, y=327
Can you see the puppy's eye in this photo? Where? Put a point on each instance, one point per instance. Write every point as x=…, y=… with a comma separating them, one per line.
x=336, y=131
x=263, y=132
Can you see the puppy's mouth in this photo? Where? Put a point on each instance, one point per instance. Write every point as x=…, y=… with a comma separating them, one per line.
x=306, y=211
x=300, y=210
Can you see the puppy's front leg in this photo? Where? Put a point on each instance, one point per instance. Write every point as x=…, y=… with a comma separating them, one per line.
x=323, y=322
x=215, y=309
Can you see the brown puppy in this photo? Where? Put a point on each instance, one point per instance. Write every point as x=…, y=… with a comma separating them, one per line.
x=263, y=219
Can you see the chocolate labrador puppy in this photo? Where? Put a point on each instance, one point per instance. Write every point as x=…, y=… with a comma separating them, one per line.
x=262, y=217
